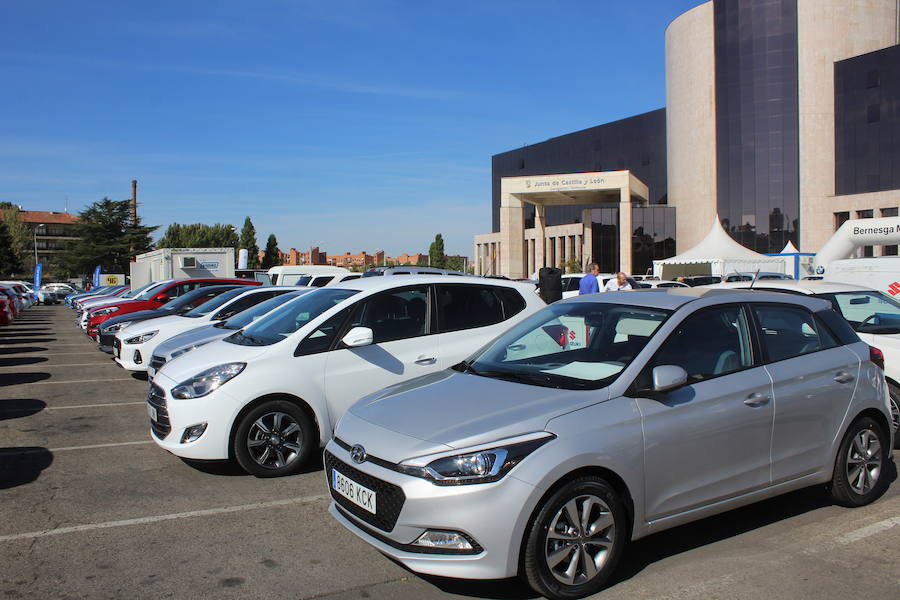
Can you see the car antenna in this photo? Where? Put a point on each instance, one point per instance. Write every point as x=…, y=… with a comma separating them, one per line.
x=755, y=277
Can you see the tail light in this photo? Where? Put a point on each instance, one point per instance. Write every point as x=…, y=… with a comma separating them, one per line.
x=877, y=357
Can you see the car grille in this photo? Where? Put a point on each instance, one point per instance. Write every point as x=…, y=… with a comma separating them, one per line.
x=156, y=362
x=157, y=399
x=390, y=497
x=117, y=348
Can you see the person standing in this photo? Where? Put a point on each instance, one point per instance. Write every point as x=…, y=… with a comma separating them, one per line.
x=589, y=283
x=617, y=283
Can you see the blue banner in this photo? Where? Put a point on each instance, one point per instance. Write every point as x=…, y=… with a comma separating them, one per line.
x=97, y=276
x=38, y=272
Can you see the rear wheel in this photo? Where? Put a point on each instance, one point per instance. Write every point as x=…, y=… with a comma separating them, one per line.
x=894, y=394
x=274, y=439
x=860, y=475
x=575, y=540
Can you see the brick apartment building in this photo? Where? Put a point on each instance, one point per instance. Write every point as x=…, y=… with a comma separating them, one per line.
x=347, y=260
x=50, y=231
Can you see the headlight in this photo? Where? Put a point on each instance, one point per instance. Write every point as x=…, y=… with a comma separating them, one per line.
x=480, y=466
x=103, y=311
x=207, y=381
x=186, y=350
x=140, y=339
x=115, y=327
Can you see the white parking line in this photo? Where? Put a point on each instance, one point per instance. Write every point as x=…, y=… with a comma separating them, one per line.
x=864, y=532
x=156, y=519
x=79, y=406
x=77, y=381
x=93, y=446
x=44, y=365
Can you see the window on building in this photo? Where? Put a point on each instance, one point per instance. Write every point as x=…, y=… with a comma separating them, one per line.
x=840, y=218
x=891, y=250
x=873, y=79
x=867, y=251
x=873, y=113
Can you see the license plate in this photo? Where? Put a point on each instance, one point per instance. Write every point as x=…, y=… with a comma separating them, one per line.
x=151, y=410
x=352, y=491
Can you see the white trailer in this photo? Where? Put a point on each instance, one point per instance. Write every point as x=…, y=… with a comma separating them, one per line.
x=181, y=263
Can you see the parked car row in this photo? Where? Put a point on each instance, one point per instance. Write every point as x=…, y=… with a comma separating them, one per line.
x=472, y=431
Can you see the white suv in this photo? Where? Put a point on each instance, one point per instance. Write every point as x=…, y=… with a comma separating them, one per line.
x=269, y=395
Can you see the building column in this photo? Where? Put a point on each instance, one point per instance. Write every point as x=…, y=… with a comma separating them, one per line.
x=560, y=242
x=625, y=229
x=540, y=223
x=512, y=235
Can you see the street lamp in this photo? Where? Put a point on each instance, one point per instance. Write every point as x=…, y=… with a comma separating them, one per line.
x=34, y=235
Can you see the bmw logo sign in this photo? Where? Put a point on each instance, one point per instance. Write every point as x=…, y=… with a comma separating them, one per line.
x=358, y=454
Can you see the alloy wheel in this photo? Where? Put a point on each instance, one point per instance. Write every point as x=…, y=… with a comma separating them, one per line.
x=864, y=461
x=274, y=440
x=579, y=540
x=895, y=415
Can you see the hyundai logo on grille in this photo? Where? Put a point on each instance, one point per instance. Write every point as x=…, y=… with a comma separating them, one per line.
x=358, y=454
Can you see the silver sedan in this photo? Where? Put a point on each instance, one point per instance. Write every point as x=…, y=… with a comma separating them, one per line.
x=604, y=419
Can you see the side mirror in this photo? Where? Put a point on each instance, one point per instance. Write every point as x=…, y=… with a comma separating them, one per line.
x=358, y=336
x=667, y=377
x=163, y=298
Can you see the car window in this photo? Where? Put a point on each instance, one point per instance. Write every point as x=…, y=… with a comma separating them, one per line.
x=395, y=314
x=282, y=322
x=570, y=284
x=182, y=288
x=242, y=304
x=709, y=343
x=512, y=301
x=323, y=337
x=789, y=331
x=321, y=281
x=869, y=312
x=246, y=317
x=466, y=306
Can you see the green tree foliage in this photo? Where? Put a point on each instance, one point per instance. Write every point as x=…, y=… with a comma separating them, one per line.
x=9, y=261
x=20, y=237
x=436, y=252
x=106, y=237
x=199, y=235
x=248, y=241
x=456, y=263
x=272, y=257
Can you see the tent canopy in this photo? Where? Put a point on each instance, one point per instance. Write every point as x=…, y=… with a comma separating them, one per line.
x=716, y=254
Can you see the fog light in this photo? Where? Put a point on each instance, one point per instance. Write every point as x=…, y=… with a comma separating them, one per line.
x=444, y=540
x=193, y=433
x=138, y=359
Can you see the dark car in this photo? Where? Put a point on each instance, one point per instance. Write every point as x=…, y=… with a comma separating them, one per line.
x=107, y=331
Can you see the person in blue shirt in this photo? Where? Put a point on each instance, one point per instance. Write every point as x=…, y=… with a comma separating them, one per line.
x=589, y=283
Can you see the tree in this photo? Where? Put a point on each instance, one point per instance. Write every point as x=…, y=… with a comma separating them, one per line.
x=248, y=241
x=457, y=263
x=9, y=260
x=199, y=235
x=106, y=237
x=20, y=237
x=272, y=257
x=436, y=252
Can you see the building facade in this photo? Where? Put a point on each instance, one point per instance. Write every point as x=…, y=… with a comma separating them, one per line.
x=50, y=232
x=782, y=118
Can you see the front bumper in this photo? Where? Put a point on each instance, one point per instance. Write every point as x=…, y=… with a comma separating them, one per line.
x=133, y=357
x=492, y=515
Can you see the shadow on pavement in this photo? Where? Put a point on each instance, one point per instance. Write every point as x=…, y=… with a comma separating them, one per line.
x=18, y=408
x=21, y=350
x=20, y=378
x=22, y=360
x=226, y=468
x=18, y=340
x=499, y=589
x=19, y=466
x=139, y=375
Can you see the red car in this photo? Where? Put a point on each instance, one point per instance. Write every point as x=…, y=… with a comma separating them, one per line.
x=160, y=296
x=7, y=310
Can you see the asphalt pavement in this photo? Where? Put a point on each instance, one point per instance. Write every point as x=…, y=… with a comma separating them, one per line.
x=90, y=507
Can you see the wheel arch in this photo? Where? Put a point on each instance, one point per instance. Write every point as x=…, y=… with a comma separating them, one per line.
x=299, y=402
x=875, y=414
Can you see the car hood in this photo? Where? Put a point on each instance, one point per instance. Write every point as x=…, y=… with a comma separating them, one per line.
x=140, y=315
x=163, y=323
x=460, y=409
x=213, y=354
x=195, y=337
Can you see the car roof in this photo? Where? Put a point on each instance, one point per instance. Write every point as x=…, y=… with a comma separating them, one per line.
x=812, y=286
x=365, y=284
x=675, y=298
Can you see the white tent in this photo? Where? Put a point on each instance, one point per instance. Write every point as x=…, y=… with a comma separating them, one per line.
x=716, y=254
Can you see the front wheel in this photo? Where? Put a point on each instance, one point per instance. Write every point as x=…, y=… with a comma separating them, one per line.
x=274, y=439
x=860, y=475
x=894, y=396
x=575, y=540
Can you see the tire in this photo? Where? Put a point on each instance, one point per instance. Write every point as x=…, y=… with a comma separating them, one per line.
x=861, y=468
x=894, y=394
x=274, y=439
x=555, y=536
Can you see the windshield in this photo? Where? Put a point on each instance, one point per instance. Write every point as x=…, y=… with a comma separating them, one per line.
x=214, y=303
x=577, y=345
x=868, y=312
x=138, y=291
x=284, y=321
x=242, y=319
x=150, y=290
x=304, y=280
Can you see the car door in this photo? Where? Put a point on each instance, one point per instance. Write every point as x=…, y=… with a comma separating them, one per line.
x=709, y=439
x=469, y=316
x=403, y=347
x=813, y=377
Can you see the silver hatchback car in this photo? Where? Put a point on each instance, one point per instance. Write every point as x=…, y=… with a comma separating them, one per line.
x=607, y=418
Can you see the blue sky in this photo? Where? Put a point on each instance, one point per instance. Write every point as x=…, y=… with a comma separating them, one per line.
x=354, y=125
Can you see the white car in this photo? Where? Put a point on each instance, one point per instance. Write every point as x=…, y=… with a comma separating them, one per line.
x=270, y=394
x=874, y=316
x=660, y=283
x=134, y=345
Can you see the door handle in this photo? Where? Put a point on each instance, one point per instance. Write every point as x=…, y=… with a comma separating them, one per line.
x=843, y=377
x=756, y=399
x=426, y=360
